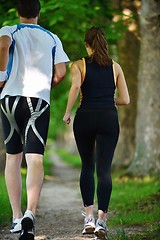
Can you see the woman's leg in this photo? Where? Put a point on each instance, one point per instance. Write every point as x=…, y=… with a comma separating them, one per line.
x=85, y=141
x=106, y=142
x=104, y=157
x=105, y=147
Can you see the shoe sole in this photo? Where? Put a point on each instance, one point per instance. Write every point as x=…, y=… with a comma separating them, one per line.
x=89, y=230
x=101, y=234
x=27, y=225
x=15, y=231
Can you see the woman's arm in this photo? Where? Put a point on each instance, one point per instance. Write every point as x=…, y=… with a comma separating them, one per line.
x=123, y=95
x=74, y=91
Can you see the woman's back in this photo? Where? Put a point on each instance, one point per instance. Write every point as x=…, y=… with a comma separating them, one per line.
x=98, y=87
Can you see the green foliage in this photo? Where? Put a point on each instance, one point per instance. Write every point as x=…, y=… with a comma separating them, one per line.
x=121, y=235
x=132, y=196
x=48, y=163
x=73, y=160
x=7, y=12
x=59, y=97
x=5, y=210
x=12, y=17
x=69, y=19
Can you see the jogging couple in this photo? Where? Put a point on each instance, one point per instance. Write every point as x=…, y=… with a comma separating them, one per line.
x=32, y=61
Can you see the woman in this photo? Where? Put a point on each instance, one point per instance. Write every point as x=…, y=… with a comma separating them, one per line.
x=96, y=127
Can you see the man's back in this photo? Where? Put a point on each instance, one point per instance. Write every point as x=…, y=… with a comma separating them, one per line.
x=31, y=61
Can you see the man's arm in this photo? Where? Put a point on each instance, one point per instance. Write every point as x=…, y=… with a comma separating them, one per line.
x=5, y=43
x=59, y=73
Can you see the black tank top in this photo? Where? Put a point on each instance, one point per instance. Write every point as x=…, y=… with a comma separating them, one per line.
x=98, y=87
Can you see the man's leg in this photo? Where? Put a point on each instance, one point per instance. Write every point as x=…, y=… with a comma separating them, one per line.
x=34, y=180
x=14, y=182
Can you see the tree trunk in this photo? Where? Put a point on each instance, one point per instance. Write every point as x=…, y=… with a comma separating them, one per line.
x=128, y=55
x=147, y=152
x=128, y=58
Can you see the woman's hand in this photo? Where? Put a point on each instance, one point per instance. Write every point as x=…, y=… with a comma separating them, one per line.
x=67, y=118
x=74, y=91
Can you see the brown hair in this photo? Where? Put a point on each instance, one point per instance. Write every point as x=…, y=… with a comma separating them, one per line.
x=96, y=39
x=28, y=8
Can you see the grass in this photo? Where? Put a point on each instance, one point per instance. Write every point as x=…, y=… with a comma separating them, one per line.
x=5, y=209
x=71, y=159
x=48, y=164
x=134, y=204
x=137, y=197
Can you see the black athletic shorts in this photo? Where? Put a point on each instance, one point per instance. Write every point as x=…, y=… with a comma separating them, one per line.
x=25, y=122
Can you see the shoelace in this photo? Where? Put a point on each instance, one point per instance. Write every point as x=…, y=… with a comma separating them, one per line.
x=83, y=214
x=87, y=219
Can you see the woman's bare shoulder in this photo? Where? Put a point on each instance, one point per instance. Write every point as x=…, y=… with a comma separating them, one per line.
x=77, y=64
x=116, y=64
x=117, y=67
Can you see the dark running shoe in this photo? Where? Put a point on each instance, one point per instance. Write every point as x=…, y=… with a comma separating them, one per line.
x=28, y=231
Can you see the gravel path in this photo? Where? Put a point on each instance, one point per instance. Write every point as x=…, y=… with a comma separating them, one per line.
x=59, y=211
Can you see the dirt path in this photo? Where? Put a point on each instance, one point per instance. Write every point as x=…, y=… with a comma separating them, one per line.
x=59, y=211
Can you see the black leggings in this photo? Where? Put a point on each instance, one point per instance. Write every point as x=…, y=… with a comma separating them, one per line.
x=96, y=134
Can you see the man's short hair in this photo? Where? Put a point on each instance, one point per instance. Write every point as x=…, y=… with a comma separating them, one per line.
x=28, y=8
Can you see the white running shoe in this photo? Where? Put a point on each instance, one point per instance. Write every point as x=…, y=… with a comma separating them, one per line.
x=16, y=225
x=89, y=224
x=101, y=229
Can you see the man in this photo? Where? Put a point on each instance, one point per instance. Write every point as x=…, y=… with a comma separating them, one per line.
x=31, y=60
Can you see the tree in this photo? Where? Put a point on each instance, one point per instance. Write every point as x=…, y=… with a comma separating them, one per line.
x=147, y=151
x=128, y=56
